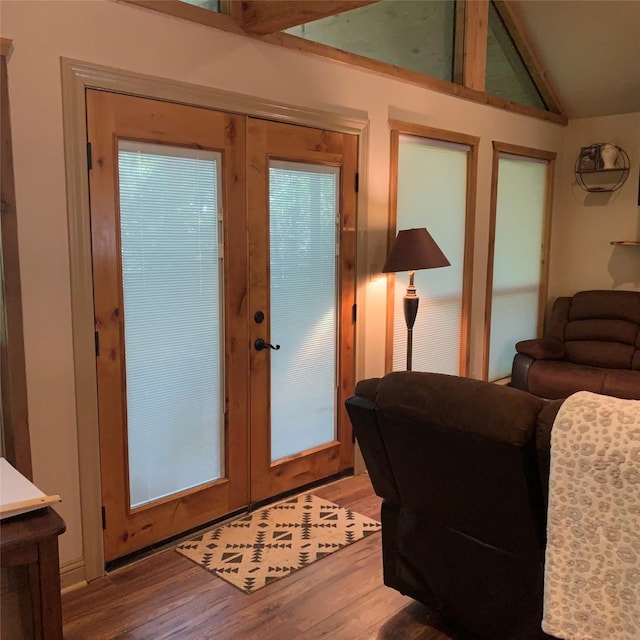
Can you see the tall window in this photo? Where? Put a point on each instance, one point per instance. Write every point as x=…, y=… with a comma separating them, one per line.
x=518, y=265
x=433, y=189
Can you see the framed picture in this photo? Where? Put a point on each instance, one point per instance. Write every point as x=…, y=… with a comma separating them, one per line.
x=589, y=159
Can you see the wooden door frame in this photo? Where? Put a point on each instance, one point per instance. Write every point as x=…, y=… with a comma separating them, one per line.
x=15, y=415
x=77, y=76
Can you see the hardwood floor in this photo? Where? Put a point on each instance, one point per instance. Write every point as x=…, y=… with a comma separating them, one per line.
x=341, y=597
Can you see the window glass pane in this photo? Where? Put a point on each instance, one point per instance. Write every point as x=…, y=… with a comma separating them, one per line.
x=211, y=5
x=303, y=210
x=507, y=76
x=432, y=187
x=517, y=257
x=411, y=34
x=172, y=317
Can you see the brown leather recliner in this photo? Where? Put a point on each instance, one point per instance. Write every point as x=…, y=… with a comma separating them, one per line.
x=462, y=466
x=592, y=343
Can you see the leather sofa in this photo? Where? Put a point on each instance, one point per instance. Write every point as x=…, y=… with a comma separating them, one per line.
x=462, y=467
x=591, y=343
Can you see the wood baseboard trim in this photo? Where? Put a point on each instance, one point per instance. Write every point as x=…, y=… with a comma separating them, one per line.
x=72, y=575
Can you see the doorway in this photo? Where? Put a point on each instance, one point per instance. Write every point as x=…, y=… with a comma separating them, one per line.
x=223, y=273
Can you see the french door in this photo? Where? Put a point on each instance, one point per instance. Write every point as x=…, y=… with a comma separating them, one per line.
x=211, y=232
x=301, y=207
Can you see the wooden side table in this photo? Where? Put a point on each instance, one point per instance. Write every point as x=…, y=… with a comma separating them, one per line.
x=32, y=539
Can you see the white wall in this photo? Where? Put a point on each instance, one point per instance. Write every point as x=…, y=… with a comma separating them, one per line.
x=586, y=223
x=134, y=39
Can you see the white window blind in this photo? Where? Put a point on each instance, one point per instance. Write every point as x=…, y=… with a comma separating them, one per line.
x=171, y=279
x=432, y=187
x=520, y=212
x=303, y=215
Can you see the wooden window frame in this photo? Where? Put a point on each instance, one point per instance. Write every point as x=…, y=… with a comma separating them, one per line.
x=474, y=55
x=525, y=152
x=399, y=128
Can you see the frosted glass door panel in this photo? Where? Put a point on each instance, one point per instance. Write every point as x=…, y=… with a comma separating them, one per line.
x=432, y=187
x=171, y=280
x=303, y=214
x=517, y=256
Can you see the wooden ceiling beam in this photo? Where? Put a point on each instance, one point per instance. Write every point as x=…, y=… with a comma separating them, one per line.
x=260, y=17
x=476, y=25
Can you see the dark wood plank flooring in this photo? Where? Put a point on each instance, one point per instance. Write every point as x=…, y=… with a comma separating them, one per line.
x=165, y=595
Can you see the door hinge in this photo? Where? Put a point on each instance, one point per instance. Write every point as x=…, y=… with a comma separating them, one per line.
x=357, y=183
x=104, y=517
x=354, y=312
x=89, y=157
x=96, y=337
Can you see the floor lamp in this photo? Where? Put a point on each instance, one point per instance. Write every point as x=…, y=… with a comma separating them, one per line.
x=413, y=249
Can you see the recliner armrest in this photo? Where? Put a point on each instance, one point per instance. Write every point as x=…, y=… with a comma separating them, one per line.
x=362, y=413
x=542, y=348
x=520, y=371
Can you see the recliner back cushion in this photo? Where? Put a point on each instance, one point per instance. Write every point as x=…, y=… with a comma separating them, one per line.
x=463, y=455
x=601, y=343
x=615, y=305
x=635, y=363
x=603, y=329
x=559, y=317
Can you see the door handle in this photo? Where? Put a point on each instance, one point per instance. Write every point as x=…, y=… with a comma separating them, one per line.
x=260, y=344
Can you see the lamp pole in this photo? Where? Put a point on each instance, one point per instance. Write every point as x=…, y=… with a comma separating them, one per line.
x=413, y=249
x=411, y=301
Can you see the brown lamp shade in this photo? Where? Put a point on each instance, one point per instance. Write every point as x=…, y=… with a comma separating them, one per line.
x=414, y=249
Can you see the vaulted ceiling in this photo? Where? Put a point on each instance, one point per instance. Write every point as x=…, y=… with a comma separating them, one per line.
x=591, y=51
x=586, y=52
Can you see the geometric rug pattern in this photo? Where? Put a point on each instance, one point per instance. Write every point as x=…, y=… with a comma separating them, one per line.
x=271, y=543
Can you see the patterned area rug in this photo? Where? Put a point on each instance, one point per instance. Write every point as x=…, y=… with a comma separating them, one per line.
x=271, y=543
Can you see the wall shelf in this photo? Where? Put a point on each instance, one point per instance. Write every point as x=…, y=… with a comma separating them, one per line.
x=626, y=243
x=582, y=171
x=601, y=167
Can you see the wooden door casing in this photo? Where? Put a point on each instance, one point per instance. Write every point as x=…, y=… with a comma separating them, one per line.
x=246, y=145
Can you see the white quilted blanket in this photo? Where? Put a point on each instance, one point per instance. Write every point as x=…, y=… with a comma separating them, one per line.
x=592, y=567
